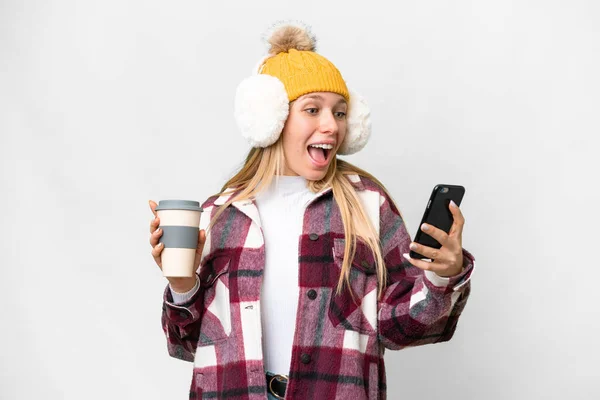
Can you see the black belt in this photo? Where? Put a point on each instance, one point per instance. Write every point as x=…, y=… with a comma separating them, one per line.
x=276, y=384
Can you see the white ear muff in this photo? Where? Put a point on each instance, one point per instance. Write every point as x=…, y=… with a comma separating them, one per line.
x=261, y=109
x=358, y=125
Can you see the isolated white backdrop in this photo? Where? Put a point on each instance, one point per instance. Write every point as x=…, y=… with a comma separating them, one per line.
x=104, y=105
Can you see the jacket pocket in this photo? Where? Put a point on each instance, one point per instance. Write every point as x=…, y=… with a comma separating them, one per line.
x=216, y=319
x=356, y=310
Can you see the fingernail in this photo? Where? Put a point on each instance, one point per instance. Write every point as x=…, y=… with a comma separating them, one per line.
x=424, y=227
x=406, y=256
x=413, y=246
x=453, y=204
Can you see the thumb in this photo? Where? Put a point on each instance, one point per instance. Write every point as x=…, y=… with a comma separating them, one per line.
x=201, y=241
x=152, y=206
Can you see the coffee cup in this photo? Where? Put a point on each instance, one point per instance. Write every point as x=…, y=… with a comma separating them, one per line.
x=179, y=221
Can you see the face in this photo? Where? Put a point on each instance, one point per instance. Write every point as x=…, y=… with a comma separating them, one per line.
x=313, y=132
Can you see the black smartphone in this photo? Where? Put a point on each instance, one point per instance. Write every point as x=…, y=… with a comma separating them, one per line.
x=437, y=213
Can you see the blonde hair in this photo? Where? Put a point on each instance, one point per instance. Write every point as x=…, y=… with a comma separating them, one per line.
x=263, y=164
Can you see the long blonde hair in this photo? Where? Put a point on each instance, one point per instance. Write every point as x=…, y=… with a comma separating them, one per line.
x=263, y=164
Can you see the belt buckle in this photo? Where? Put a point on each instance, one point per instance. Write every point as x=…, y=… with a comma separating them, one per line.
x=280, y=378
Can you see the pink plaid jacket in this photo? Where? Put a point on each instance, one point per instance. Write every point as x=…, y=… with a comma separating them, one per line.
x=339, y=343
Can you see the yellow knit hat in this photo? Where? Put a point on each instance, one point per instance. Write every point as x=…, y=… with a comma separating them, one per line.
x=294, y=62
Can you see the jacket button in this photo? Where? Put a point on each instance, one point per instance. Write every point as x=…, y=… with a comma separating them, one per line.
x=365, y=264
x=305, y=358
x=313, y=236
x=312, y=294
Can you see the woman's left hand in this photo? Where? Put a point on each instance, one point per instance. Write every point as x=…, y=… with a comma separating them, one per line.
x=448, y=260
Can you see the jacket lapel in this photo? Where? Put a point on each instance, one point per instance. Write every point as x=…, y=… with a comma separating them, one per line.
x=247, y=207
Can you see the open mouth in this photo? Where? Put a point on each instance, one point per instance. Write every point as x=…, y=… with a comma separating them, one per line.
x=320, y=153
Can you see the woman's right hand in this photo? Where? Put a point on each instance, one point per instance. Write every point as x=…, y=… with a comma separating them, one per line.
x=183, y=284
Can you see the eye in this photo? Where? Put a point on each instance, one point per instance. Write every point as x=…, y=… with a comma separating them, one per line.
x=340, y=114
x=312, y=110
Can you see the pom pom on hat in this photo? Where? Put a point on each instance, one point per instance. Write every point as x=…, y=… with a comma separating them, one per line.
x=286, y=35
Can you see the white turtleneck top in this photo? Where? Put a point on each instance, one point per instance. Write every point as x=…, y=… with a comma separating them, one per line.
x=281, y=208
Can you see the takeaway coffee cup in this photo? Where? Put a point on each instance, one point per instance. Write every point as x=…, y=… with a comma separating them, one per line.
x=180, y=221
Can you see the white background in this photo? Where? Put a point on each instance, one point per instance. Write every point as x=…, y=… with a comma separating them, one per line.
x=105, y=105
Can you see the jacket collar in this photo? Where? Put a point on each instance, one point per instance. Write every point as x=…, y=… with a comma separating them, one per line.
x=249, y=207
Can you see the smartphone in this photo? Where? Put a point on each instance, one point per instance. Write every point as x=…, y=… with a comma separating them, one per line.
x=437, y=213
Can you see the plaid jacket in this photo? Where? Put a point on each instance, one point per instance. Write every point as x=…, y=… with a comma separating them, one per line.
x=339, y=342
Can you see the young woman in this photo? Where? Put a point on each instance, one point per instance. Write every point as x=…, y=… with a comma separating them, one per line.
x=303, y=274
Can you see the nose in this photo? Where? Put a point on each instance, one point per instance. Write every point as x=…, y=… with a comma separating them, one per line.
x=328, y=123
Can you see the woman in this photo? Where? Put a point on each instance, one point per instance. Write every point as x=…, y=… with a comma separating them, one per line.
x=303, y=274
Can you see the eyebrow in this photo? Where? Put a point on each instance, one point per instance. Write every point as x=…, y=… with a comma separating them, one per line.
x=319, y=97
